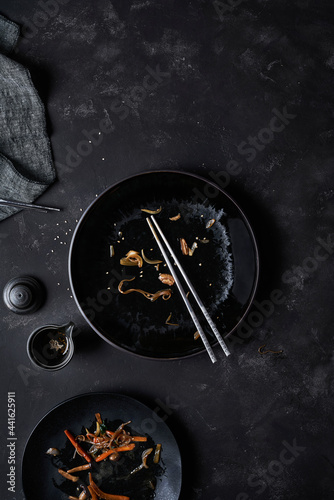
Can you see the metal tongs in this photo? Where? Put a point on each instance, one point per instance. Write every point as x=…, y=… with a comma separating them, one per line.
x=23, y=204
x=183, y=294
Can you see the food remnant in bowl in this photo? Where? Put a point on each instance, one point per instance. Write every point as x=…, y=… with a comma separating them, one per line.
x=112, y=251
x=104, y=445
x=153, y=212
x=176, y=217
x=185, y=249
x=58, y=345
x=53, y=451
x=50, y=347
x=132, y=258
x=167, y=322
x=165, y=294
x=150, y=261
x=192, y=249
x=66, y=475
x=157, y=453
x=184, y=246
x=210, y=223
x=166, y=279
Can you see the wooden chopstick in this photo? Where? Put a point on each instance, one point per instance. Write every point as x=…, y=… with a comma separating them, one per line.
x=192, y=290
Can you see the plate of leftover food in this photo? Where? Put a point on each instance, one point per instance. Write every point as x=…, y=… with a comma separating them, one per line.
x=120, y=280
x=101, y=446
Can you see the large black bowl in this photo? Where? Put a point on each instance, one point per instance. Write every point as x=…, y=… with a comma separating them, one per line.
x=223, y=270
x=41, y=480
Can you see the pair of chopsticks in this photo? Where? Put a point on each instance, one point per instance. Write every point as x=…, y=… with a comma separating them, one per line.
x=183, y=294
x=23, y=204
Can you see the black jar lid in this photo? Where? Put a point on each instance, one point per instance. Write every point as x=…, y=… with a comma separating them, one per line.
x=23, y=295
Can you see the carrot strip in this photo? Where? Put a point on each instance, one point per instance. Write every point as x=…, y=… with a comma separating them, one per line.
x=98, y=417
x=77, y=446
x=92, y=493
x=68, y=476
x=80, y=468
x=102, y=494
x=106, y=454
x=133, y=438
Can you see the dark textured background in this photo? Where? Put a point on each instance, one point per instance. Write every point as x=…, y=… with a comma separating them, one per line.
x=226, y=70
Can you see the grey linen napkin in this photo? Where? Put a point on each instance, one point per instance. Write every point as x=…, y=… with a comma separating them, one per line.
x=26, y=166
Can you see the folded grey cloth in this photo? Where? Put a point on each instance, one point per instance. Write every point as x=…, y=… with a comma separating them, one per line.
x=26, y=166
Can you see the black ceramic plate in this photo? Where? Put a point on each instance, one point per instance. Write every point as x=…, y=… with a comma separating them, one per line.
x=41, y=479
x=223, y=269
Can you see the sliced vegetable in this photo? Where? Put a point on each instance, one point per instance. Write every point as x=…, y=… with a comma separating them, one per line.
x=97, y=432
x=68, y=476
x=192, y=249
x=119, y=430
x=77, y=446
x=157, y=453
x=184, y=246
x=144, y=456
x=80, y=468
x=210, y=223
x=132, y=259
x=167, y=322
x=92, y=493
x=138, y=439
x=143, y=464
x=165, y=294
x=102, y=494
x=83, y=496
x=150, y=261
x=128, y=447
x=153, y=212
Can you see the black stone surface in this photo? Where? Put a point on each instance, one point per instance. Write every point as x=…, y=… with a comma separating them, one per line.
x=240, y=92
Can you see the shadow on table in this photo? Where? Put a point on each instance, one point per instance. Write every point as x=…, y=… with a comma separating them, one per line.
x=86, y=340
